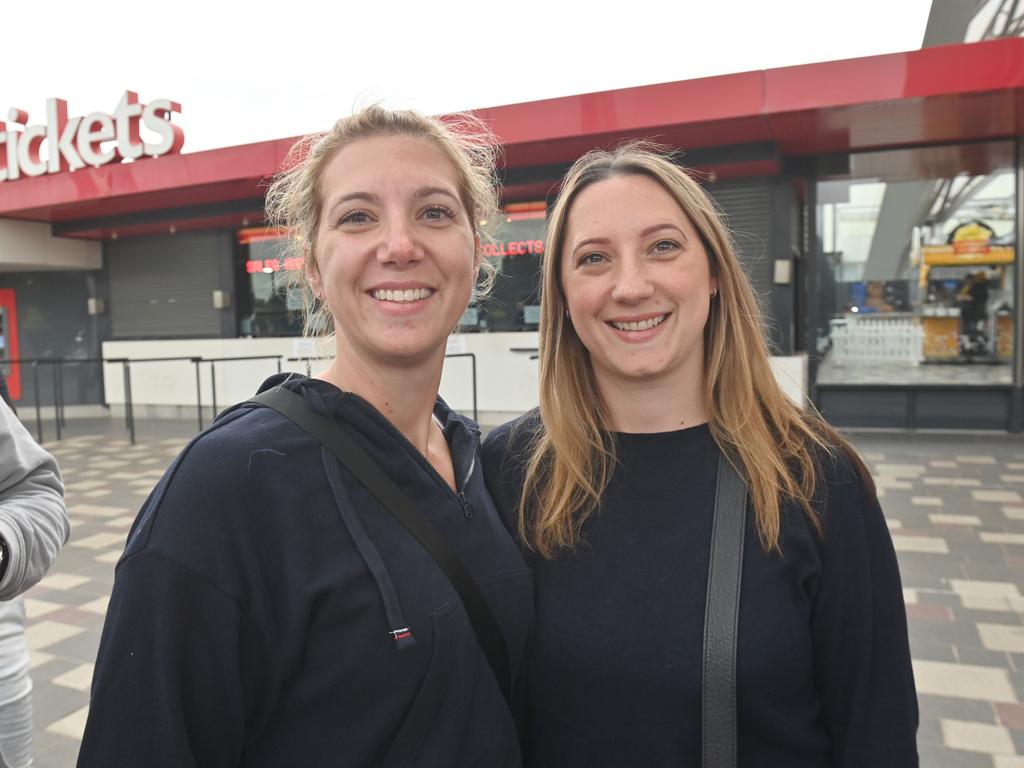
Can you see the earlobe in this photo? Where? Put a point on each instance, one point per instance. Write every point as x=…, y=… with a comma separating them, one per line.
x=313, y=275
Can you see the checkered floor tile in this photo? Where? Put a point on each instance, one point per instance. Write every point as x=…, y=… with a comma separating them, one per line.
x=955, y=505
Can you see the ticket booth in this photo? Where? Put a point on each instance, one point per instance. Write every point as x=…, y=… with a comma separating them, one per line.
x=967, y=313
x=9, y=342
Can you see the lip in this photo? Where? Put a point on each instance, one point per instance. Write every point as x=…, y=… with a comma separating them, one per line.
x=400, y=308
x=638, y=337
x=398, y=285
x=636, y=318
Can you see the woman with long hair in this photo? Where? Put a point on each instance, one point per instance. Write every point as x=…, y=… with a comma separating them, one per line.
x=654, y=372
x=274, y=605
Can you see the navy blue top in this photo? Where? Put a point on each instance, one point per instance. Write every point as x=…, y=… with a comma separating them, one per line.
x=251, y=616
x=614, y=672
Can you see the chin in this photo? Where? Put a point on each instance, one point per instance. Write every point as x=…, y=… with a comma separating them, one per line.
x=412, y=350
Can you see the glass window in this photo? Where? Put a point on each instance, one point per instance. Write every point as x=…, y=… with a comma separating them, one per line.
x=274, y=305
x=917, y=255
x=515, y=249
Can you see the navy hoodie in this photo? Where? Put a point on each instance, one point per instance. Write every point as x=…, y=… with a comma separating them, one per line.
x=258, y=612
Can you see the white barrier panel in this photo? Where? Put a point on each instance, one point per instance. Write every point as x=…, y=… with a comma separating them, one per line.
x=791, y=374
x=506, y=372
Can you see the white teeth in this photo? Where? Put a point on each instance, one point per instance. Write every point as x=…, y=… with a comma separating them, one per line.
x=413, y=294
x=642, y=325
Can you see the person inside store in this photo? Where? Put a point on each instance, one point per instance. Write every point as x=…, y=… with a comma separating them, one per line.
x=973, y=300
x=272, y=608
x=33, y=528
x=657, y=401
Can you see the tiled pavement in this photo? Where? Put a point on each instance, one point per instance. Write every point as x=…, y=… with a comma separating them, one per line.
x=955, y=505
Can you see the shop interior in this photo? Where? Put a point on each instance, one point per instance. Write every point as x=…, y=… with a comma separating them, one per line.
x=917, y=267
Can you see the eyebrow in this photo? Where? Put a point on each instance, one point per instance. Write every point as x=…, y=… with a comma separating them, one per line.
x=428, y=191
x=657, y=227
x=369, y=197
x=645, y=232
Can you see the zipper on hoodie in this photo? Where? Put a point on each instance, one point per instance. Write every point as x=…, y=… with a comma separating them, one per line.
x=459, y=495
x=467, y=511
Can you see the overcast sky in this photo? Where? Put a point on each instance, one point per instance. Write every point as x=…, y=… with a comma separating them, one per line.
x=246, y=72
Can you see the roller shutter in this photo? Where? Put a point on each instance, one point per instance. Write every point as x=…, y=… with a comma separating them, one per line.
x=161, y=287
x=748, y=208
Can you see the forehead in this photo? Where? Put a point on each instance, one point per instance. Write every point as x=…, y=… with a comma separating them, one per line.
x=384, y=165
x=621, y=205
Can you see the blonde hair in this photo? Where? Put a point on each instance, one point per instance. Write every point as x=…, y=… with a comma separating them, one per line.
x=770, y=439
x=294, y=198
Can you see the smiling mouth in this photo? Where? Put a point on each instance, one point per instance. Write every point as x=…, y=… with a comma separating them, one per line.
x=402, y=297
x=639, y=325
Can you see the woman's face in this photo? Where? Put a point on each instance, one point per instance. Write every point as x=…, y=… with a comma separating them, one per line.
x=396, y=255
x=637, y=281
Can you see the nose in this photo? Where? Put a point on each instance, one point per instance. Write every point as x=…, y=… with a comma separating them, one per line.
x=399, y=246
x=632, y=282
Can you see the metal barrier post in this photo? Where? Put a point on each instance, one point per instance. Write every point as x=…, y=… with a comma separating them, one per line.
x=39, y=412
x=129, y=409
x=127, y=417
x=279, y=365
x=60, y=389
x=472, y=360
x=213, y=387
x=56, y=402
x=199, y=394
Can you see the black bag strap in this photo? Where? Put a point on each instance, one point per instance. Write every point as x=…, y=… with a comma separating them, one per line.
x=721, y=618
x=335, y=439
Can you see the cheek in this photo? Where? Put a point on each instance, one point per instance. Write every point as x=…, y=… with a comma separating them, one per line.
x=574, y=291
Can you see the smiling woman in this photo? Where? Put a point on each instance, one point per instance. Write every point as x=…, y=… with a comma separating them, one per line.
x=271, y=609
x=396, y=255
x=654, y=382
x=638, y=289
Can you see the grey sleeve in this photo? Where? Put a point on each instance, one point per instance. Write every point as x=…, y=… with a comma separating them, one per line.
x=33, y=517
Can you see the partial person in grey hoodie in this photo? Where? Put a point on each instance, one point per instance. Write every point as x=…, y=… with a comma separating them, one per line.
x=33, y=527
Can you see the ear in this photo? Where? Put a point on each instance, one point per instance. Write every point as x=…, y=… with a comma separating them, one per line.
x=477, y=253
x=312, y=271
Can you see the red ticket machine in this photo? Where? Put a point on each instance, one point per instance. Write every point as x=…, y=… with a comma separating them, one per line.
x=9, y=342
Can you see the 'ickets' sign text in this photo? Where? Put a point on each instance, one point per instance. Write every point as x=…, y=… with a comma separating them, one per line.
x=70, y=144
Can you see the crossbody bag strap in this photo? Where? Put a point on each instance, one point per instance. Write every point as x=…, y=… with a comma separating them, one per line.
x=721, y=618
x=368, y=472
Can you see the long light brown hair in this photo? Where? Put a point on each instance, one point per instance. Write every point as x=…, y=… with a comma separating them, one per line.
x=772, y=440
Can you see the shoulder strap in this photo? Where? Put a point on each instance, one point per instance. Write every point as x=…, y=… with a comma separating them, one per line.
x=721, y=618
x=369, y=473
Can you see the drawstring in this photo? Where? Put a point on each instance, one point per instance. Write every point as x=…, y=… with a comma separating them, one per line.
x=400, y=631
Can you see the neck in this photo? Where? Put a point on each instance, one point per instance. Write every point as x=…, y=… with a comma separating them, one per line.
x=663, y=405
x=404, y=394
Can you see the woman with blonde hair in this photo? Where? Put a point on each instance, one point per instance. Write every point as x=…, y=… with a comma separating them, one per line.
x=657, y=400
x=321, y=578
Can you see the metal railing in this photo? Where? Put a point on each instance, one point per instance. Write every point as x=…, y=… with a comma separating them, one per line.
x=213, y=379
x=58, y=363
x=470, y=355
